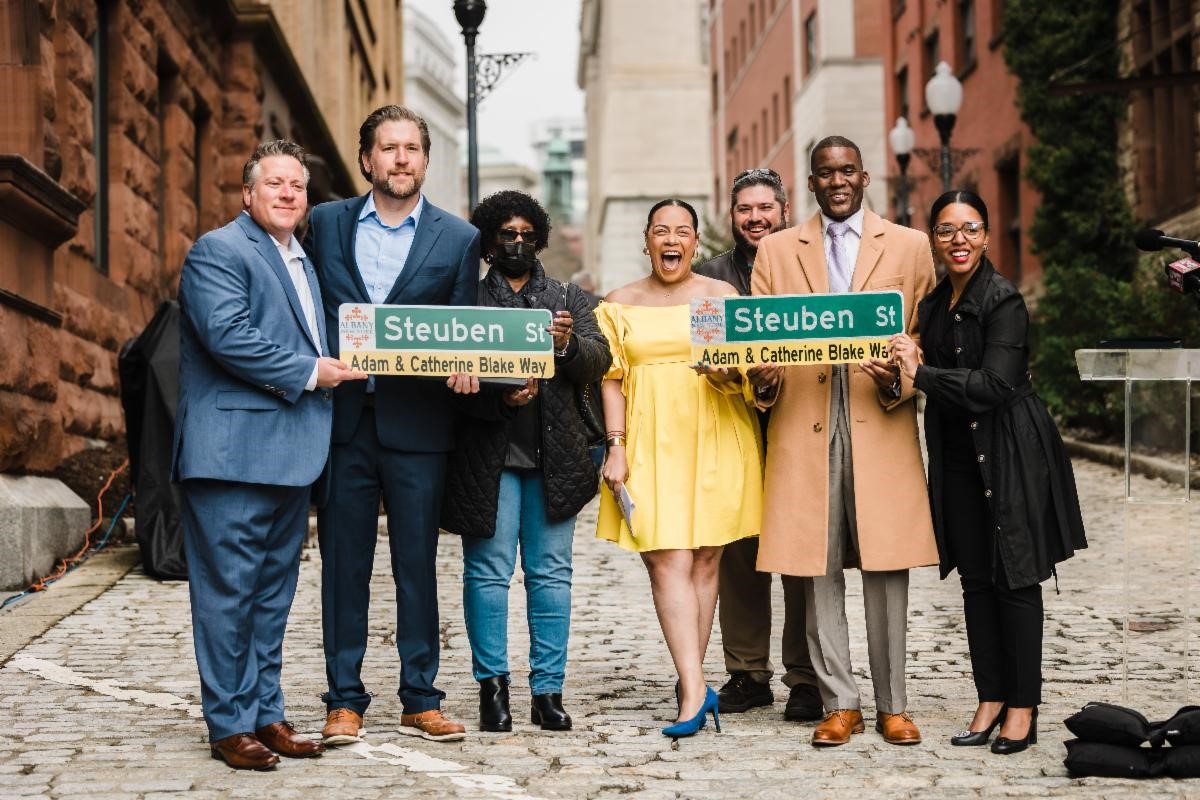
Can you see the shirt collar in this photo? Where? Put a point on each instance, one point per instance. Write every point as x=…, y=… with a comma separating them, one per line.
x=855, y=221
x=290, y=250
x=368, y=210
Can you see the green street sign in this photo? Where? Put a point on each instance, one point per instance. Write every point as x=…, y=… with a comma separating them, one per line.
x=795, y=329
x=443, y=340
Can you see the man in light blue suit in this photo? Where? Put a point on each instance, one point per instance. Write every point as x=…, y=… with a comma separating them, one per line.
x=251, y=436
x=391, y=435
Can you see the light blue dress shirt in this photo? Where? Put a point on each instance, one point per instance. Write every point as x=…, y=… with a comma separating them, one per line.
x=381, y=251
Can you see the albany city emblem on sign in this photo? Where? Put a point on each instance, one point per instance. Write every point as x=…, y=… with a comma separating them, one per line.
x=708, y=320
x=356, y=327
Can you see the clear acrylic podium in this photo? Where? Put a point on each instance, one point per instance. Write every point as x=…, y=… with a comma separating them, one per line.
x=1157, y=579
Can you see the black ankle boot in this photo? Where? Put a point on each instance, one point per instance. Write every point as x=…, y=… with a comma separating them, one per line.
x=494, y=715
x=548, y=712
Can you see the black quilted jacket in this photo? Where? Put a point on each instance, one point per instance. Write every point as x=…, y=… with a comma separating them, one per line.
x=571, y=478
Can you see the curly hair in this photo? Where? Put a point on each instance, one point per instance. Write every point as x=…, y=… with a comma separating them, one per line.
x=497, y=209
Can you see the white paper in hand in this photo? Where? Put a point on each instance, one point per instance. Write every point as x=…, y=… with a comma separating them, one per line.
x=625, y=503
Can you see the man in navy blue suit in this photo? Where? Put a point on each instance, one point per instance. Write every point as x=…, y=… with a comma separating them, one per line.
x=391, y=435
x=251, y=436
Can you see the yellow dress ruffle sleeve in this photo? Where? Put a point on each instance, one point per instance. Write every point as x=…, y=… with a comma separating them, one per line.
x=694, y=447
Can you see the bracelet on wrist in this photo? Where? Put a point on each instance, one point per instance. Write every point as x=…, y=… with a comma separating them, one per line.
x=615, y=441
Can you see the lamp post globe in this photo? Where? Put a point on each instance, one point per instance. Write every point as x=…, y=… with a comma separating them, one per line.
x=902, y=139
x=469, y=14
x=944, y=96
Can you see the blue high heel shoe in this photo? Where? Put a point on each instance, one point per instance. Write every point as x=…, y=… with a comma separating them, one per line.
x=688, y=727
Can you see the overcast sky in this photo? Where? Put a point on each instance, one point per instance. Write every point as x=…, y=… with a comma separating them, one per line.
x=540, y=87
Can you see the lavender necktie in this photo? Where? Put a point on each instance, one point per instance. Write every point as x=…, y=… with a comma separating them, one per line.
x=839, y=270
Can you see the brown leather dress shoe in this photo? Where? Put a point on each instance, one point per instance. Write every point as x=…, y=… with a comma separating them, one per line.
x=343, y=726
x=837, y=727
x=432, y=725
x=243, y=751
x=898, y=728
x=283, y=739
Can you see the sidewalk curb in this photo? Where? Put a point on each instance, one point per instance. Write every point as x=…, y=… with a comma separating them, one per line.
x=1113, y=456
x=29, y=619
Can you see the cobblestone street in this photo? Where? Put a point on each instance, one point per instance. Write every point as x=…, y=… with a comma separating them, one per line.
x=106, y=702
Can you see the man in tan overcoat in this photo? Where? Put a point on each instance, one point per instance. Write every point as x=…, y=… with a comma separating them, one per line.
x=845, y=485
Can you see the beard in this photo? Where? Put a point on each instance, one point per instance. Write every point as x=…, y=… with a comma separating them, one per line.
x=399, y=187
x=745, y=245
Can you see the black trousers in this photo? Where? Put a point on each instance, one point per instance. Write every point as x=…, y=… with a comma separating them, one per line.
x=1004, y=626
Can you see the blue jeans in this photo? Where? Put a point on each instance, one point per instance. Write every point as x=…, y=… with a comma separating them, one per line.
x=488, y=566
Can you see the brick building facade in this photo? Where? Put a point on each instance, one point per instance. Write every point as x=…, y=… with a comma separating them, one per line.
x=126, y=124
x=969, y=36
x=1159, y=138
x=786, y=73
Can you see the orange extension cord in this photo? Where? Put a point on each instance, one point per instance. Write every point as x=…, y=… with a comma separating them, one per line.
x=65, y=564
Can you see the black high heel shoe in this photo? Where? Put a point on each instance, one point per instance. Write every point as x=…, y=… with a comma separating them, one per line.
x=970, y=738
x=1006, y=747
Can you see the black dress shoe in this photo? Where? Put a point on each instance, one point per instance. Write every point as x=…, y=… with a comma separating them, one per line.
x=804, y=704
x=970, y=738
x=494, y=715
x=1006, y=747
x=742, y=693
x=548, y=712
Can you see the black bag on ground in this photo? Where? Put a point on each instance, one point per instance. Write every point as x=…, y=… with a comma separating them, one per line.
x=1110, y=724
x=149, y=369
x=1183, y=728
x=1103, y=760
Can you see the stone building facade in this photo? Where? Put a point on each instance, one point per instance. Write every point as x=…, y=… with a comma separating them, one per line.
x=648, y=123
x=125, y=128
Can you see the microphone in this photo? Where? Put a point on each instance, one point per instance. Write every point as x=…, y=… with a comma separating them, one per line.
x=1182, y=277
x=1152, y=240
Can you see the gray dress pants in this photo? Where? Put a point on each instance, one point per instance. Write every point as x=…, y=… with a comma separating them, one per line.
x=885, y=594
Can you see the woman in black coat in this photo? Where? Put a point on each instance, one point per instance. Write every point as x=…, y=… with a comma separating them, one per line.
x=1005, y=509
x=521, y=471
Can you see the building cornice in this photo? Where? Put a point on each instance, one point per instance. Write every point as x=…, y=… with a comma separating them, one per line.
x=257, y=22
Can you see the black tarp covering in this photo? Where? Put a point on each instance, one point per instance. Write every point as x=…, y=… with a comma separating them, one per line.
x=149, y=368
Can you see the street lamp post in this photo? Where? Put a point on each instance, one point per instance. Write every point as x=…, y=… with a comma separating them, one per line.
x=469, y=14
x=902, y=139
x=944, y=96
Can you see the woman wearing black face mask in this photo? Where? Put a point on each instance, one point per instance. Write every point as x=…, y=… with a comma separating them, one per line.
x=521, y=471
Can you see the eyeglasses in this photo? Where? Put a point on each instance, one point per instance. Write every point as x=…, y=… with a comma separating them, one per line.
x=758, y=172
x=510, y=235
x=971, y=230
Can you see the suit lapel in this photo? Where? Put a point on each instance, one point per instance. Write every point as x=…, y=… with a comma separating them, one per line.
x=315, y=289
x=265, y=246
x=347, y=232
x=870, y=249
x=428, y=231
x=812, y=256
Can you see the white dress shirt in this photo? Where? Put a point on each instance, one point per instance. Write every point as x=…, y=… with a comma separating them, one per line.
x=293, y=258
x=851, y=240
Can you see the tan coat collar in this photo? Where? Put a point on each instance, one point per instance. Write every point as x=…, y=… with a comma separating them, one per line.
x=811, y=252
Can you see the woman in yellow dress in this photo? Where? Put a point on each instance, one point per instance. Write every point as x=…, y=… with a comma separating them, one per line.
x=683, y=441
